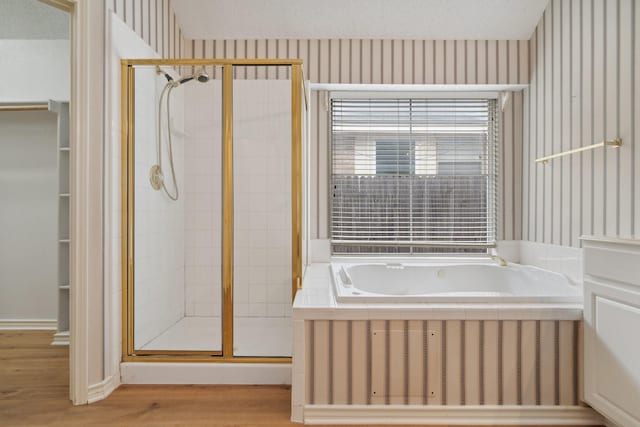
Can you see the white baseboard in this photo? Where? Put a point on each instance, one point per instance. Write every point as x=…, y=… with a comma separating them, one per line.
x=61, y=338
x=451, y=415
x=205, y=373
x=103, y=389
x=28, y=324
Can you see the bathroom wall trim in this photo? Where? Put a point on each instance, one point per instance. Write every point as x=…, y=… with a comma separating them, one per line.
x=103, y=389
x=451, y=415
x=366, y=87
x=28, y=324
x=86, y=136
x=204, y=373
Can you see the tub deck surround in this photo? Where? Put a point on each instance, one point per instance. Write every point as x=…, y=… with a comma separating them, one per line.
x=468, y=363
x=316, y=300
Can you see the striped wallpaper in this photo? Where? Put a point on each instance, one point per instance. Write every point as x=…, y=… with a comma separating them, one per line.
x=386, y=61
x=395, y=61
x=154, y=21
x=582, y=66
x=364, y=61
x=585, y=87
x=443, y=362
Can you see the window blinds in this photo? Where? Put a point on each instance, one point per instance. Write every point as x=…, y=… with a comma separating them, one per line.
x=413, y=175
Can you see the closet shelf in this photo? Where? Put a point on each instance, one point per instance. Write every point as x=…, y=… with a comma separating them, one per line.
x=62, y=282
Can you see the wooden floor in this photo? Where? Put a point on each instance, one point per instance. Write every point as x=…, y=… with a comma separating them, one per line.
x=34, y=381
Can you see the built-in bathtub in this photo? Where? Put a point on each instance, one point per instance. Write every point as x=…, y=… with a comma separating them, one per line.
x=395, y=282
x=437, y=342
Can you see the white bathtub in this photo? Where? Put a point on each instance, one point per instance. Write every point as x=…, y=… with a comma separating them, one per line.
x=450, y=283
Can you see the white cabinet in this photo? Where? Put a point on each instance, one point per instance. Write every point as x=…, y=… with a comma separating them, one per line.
x=612, y=328
x=62, y=109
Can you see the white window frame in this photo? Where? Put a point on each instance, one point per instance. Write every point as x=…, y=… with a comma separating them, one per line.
x=394, y=94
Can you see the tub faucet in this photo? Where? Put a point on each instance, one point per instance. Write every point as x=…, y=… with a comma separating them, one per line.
x=500, y=260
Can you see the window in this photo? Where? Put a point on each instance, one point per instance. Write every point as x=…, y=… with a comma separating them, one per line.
x=395, y=158
x=413, y=175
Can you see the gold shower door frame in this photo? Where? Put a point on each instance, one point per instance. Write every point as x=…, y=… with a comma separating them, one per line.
x=129, y=354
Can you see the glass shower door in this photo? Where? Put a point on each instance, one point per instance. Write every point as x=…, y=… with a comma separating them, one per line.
x=212, y=211
x=177, y=292
x=262, y=211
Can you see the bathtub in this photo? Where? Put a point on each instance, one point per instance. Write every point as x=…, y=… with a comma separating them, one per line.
x=442, y=341
x=450, y=283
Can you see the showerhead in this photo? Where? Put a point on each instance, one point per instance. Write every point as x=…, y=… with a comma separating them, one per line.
x=202, y=76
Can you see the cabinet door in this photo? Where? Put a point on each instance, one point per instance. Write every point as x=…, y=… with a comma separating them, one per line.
x=612, y=350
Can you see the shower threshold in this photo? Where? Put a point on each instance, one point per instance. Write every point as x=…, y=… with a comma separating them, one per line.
x=253, y=336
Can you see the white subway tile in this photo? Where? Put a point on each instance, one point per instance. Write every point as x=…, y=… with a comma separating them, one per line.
x=256, y=309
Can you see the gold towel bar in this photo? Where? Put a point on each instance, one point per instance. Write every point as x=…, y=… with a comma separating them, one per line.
x=24, y=107
x=613, y=143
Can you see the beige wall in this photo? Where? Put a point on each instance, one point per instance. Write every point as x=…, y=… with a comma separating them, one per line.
x=154, y=22
x=28, y=216
x=585, y=87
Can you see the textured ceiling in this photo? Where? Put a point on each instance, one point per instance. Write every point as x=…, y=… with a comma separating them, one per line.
x=30, y=19
x=386, y=19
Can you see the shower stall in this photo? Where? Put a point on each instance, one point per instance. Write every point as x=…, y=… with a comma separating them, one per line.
x=212, y=216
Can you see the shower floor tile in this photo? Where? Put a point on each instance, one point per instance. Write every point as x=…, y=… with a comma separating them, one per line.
x=190, y=333
x=253, y=336
x=262, y=336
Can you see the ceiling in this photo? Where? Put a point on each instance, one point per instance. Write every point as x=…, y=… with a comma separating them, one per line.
x=378, y=19
x=30, y=19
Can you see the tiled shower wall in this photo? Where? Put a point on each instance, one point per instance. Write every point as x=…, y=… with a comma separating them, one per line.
x=202, y=189
x=262, y=198
x=443, y=362
x=262, y=201
x=159, y=232
x=155, y=24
